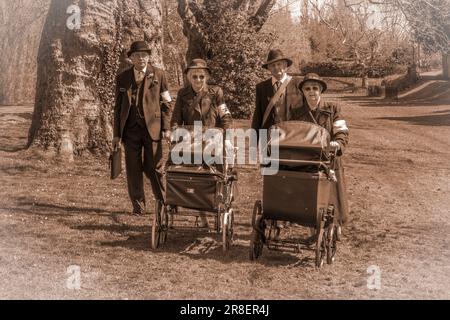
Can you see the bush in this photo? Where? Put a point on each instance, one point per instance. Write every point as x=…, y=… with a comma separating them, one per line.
x=340, y=69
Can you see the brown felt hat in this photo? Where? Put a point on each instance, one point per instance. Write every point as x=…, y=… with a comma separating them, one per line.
x=313, y=77
x=197, y=64
x=138, y=46
x=274, y=56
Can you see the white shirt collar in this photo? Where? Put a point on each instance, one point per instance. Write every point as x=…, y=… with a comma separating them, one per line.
x=274, y=80
x=136, y=73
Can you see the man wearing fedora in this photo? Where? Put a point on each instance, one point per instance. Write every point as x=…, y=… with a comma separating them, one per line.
x=142, y=115
x=278, y=97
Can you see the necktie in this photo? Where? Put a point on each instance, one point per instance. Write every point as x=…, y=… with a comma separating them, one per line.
x=276, y=86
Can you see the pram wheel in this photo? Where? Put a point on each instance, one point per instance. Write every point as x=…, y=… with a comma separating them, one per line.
x=257, y=209
x=331, y=243
x=256, y=242
x=227, y=229
x=320, y=247
x=159, y=225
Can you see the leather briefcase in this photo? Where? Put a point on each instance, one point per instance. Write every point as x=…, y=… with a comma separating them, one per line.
x=115, y=163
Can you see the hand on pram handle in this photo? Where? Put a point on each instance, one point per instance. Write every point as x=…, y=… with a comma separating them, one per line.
x=335, y=145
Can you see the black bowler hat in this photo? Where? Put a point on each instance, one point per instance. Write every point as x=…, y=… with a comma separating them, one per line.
x=138, y=46
x=197, y=64
x=313, y=77
x=274, y=56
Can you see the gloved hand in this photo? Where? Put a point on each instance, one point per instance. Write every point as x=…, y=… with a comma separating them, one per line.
x=335, y=145
x=116, y=143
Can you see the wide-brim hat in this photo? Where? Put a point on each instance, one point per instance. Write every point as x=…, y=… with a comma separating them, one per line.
x=197, y=64
x=313, y=77
x=139, y=46
x=274, y=56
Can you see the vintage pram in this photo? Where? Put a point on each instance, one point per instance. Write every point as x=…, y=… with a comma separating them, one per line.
x=301, y=193
x=204, y=187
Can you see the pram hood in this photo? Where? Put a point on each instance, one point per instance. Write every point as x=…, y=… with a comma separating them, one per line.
x=301, y=135
x=300, y=140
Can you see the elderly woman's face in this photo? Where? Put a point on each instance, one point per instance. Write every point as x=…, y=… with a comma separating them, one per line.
x=312, y=91
x=197, y=78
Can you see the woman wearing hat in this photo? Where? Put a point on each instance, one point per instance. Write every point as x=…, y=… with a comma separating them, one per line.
x=328, y=115
x=199, y=101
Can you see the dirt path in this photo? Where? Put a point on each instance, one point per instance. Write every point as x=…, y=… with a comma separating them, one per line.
x=53, y=217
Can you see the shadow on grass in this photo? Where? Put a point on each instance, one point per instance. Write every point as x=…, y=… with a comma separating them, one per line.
x=203, y=245
x=38, y=207
x=438, y=118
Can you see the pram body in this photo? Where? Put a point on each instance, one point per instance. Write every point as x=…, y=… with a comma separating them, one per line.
x=299, y=193
x=206, y=186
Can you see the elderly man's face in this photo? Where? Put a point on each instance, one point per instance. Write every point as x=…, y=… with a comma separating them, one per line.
x=312, y=91
x=140, y=59
x=197, y=78
x=278, y=69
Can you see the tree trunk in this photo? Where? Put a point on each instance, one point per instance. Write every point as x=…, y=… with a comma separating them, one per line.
x=192, y=13
x=364, y=81
x=446, y=65
x=77, y=69
x=21, y=25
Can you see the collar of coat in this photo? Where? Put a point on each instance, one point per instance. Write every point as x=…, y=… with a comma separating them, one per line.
x=323, y=108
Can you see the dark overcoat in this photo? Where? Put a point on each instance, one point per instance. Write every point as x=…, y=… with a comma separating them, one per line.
x=210, y=110
x=328, y=115
x=293, y=99
x=157, y=112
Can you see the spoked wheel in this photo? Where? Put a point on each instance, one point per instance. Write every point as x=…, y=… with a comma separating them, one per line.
x=159, y=225
x=227, y=230
x=331, y=243
x=256, y=243
x=257, y=211
x=320, y=247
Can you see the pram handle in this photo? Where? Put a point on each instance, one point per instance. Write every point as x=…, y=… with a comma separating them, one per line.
x=303, y=162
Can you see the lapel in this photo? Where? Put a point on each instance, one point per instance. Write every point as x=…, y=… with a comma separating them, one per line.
x=268, y=92
x=148, y=79
x=130, y=82
x=197, y=99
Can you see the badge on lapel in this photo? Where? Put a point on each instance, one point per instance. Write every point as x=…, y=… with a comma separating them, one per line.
x=153, y=82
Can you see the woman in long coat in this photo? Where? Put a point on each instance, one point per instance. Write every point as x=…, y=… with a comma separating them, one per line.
x=199, y=101
x=328, y=115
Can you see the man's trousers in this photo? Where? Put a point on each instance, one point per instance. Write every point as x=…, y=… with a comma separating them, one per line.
x=142, y=155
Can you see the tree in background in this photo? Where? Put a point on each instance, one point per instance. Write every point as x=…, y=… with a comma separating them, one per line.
x=21, y=23
x=227, y=34
x=77, y=68
x=174, y=44
x=289, y=33
x=429, y=21
x=355, y=34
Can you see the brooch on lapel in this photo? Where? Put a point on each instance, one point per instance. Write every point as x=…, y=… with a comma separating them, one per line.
x=154, y=81
x=122, y=89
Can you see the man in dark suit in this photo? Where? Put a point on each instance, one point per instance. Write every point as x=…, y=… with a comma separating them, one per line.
x=142, y=115
x=290, y=98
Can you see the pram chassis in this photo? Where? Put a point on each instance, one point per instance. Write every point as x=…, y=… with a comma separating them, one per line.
x=320, y=216
x=163, y=219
